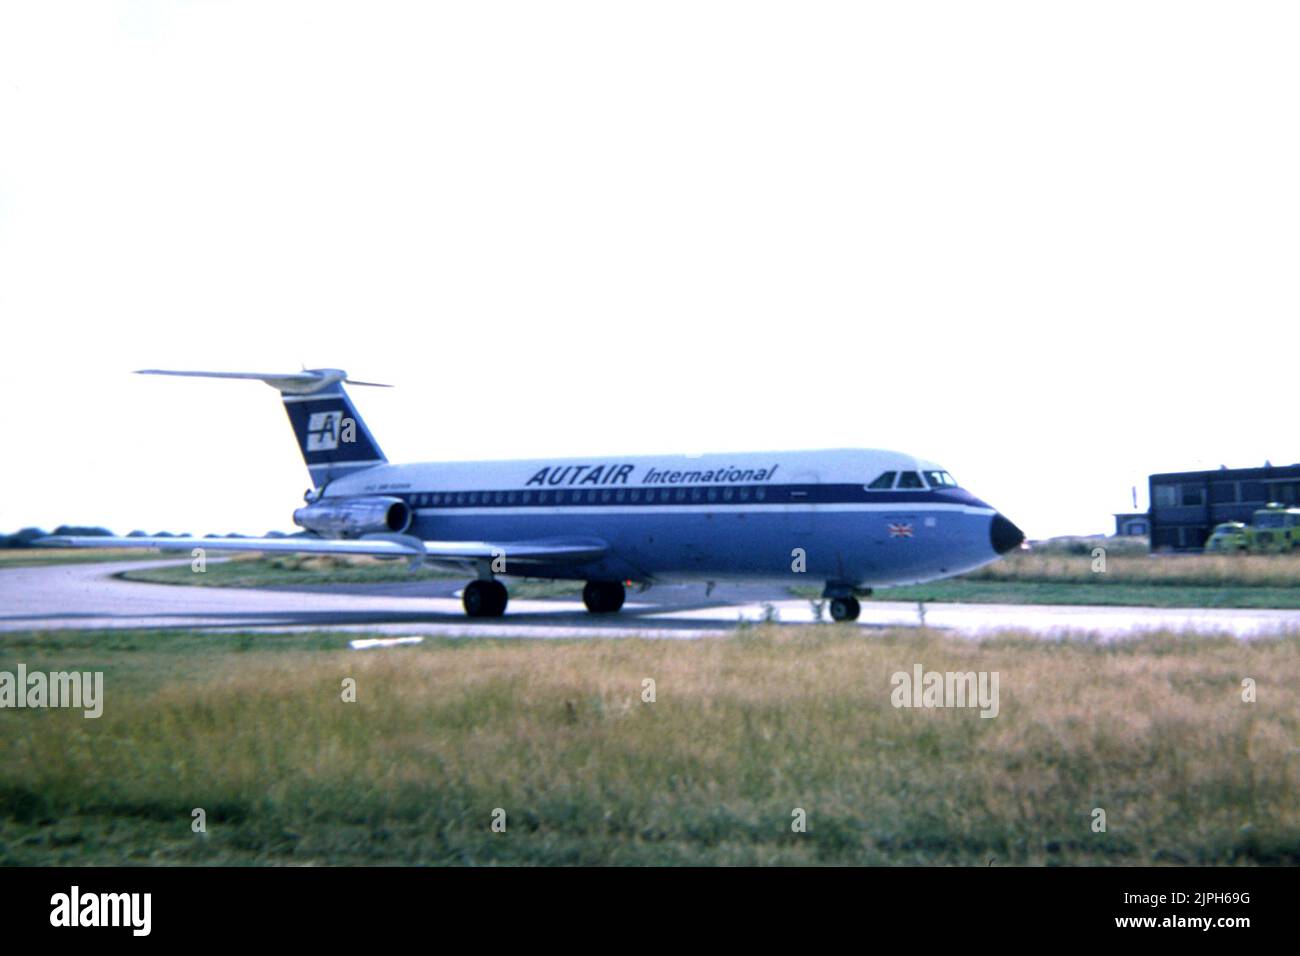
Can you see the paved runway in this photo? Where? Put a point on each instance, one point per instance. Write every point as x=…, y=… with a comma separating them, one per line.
x=88, y=596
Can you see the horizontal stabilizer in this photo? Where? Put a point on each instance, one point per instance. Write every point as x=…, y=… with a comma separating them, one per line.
x=289, y=383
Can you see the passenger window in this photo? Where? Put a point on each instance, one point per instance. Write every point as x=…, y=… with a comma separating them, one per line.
x=759, y=494
x=727, y=493
x=884, y=481
x=910, y=479
x=604, y=495
x=744, y=494
x=636, y=494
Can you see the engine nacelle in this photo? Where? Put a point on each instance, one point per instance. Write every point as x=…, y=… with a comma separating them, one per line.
x=353, y=517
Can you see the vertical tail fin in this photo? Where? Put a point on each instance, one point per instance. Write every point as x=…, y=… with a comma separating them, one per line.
x=332, y=437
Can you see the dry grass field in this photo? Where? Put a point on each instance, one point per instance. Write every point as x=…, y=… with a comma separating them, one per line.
x=742, y=733
x=1185, y=570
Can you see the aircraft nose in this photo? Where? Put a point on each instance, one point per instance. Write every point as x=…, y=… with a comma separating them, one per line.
x=1004, y=536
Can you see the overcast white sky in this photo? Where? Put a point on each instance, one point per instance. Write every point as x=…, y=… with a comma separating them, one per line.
x=1052, y=246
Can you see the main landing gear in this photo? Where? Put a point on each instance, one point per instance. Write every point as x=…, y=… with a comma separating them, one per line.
x=484, y=598
x=603, y=597
x=488, y=597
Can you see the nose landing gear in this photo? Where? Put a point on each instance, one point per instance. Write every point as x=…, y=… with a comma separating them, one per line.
x=844, y=600
x=845, y=608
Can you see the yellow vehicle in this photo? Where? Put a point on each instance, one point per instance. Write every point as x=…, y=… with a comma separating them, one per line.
x=1274, y=528
x=1231, y=537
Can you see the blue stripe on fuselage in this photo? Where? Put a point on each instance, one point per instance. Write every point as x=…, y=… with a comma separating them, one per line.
x=754, y=495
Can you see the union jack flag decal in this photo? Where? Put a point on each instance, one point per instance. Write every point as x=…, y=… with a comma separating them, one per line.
x=901, y=529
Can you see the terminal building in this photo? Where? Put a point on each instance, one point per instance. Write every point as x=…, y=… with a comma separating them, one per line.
x=1186, y=505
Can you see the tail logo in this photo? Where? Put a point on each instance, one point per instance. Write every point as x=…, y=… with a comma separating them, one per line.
x=326, y=429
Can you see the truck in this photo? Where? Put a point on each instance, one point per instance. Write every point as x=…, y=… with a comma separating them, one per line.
x=1273, y=529
x=1230, y=537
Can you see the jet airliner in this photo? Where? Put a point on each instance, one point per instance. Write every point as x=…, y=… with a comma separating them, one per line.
x=849, y=519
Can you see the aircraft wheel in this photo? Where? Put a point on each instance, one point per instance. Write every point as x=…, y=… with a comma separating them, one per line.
x=603, y=597
x=484, y=598
x=845, y=609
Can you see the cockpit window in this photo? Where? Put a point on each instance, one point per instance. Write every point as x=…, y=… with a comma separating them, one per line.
x=909, y=479
x=884, y=481
x=940, y=479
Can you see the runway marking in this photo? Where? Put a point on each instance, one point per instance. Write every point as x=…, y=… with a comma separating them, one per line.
x=366, y=643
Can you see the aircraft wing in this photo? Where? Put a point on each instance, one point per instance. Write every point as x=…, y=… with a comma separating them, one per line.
x=539, y=551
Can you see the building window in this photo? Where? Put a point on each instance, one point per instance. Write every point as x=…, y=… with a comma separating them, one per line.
x=1165, y=496
x=1223, y=492
x=1284, y=492
x=1253, y=492
x=1193, y=495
